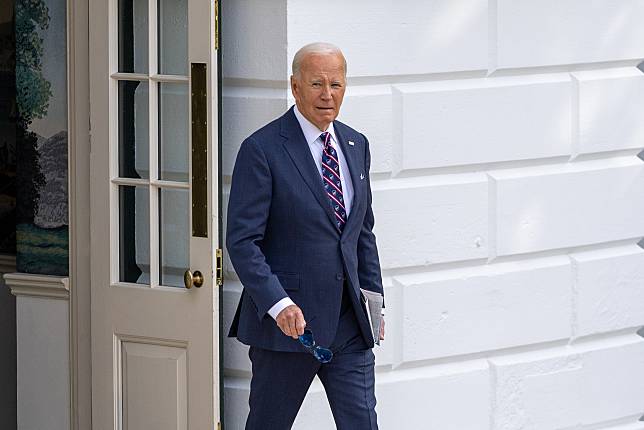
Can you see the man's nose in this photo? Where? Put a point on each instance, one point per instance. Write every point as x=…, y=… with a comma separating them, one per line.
x=326, y=92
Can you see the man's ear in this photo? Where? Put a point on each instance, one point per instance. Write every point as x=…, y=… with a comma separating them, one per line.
x=293, y=85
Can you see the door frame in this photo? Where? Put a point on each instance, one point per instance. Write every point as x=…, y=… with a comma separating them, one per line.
x=220, y=203
x=78, y=177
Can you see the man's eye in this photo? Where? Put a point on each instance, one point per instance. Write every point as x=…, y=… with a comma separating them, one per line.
x=315, y=84
x=336, y=85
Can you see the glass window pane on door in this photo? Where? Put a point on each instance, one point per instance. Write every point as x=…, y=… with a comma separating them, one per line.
x=173, y=132
x=175, y=237
x=134, y=234
x=133, y=36
x=133, y=130
x=173, y=37
x=153, y=142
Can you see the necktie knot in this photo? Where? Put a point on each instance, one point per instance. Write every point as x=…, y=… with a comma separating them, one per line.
x=326, y=138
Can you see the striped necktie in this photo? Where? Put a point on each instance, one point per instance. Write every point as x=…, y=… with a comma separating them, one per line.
x=331, y=179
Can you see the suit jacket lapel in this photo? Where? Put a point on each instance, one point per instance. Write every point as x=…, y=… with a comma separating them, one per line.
x=300, y=153
x=355, y=167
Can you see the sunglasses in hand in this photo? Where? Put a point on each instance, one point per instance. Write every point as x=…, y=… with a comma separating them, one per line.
x=323, y=355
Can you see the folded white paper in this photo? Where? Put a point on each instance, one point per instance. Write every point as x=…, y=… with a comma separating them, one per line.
x=373, y=304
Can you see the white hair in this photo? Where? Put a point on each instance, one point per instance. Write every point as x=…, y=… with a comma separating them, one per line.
x=315, y=48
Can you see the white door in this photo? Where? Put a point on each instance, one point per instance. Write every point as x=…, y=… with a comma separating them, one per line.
x=154, y=214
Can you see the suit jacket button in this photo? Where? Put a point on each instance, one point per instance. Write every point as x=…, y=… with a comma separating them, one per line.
x=339, y=277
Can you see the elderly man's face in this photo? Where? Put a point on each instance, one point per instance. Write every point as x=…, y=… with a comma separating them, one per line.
x=319, y=88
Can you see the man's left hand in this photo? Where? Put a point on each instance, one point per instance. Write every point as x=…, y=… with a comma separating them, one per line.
x=382, y=329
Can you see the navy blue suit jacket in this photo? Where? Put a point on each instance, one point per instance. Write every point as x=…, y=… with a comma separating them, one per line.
x=283, y=240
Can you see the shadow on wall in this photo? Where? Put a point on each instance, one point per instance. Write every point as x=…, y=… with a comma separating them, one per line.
x=8, y=400
x=7, y=131
x=641, y=154
x=641, y=242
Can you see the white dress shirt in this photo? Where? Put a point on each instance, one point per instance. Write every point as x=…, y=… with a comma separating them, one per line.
x=312, y=136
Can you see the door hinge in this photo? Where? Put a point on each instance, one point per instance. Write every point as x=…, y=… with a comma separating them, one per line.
x=217, y=25
x=218, y=426
x=219, y=272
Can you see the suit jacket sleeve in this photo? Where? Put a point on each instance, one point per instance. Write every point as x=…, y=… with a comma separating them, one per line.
x=248, y=209
x=368, y=261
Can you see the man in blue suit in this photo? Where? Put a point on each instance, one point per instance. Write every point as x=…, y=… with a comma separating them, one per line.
x=300, y=238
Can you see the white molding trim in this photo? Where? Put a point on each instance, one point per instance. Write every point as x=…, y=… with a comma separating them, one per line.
x=7, y=263
x=26, y=284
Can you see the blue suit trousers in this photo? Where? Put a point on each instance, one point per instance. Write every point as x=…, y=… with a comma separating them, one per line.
x=281, y=380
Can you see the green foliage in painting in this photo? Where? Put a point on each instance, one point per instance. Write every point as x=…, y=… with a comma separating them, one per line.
x=29, y=177
x=33, y=90
x=32, y=98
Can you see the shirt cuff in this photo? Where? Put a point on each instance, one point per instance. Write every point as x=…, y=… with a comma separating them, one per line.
x=278, y=307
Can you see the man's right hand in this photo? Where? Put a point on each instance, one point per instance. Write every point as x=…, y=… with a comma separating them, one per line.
x=291, y=321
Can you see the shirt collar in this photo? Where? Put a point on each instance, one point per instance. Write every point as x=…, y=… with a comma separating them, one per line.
x=310, y=130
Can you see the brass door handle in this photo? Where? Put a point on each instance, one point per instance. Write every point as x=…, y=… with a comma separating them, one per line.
x=190, y=279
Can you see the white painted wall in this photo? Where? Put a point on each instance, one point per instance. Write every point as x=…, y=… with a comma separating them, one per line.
x=507, y=193
x=43, y=350
x=43, y=363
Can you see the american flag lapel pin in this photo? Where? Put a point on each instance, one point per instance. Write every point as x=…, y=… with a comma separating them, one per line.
x=361, y=176
x=351, y=143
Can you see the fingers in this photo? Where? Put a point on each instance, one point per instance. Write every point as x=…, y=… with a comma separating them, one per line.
x=292, y=330
x=291, y=321
x=300, y=324
x=382, y=329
